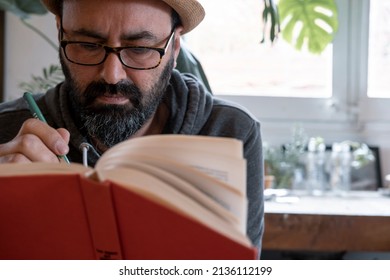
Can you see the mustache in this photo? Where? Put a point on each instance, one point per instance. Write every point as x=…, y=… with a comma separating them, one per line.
x=125, y=89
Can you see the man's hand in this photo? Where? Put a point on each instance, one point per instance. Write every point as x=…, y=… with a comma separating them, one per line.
x=36, y=141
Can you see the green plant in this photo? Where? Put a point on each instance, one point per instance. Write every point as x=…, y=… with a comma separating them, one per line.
x=311, y=23
x=51, y=76
x=271, y=21
x=361, y=154
x=282, y=161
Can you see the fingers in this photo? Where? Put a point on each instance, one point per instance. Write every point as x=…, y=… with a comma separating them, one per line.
x=50, y=137
x=36, y=141
x=13, y=158
x=64, y=134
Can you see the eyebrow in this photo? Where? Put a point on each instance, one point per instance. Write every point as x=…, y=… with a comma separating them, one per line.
x=147, y=35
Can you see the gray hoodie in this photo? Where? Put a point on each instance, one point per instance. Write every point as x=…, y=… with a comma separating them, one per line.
x=193, y=111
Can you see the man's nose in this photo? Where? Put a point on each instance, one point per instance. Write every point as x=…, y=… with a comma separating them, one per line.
x=113, y=71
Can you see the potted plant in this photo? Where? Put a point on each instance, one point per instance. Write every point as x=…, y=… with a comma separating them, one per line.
x=282, y=162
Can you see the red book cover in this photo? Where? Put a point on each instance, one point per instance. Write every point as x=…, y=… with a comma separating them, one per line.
x=73, y=217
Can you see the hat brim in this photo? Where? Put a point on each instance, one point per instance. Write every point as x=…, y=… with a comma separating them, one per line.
x=191, y=12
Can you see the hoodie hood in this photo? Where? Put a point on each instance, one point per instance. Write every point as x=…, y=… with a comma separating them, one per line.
x=189, y=102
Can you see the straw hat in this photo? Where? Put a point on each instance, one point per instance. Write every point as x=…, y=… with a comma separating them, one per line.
x=191, y=12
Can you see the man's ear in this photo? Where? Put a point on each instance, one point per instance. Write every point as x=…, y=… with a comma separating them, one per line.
x=58, y=24
x=178, y=35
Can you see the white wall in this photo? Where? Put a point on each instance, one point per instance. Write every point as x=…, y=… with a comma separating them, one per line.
x=27, y=54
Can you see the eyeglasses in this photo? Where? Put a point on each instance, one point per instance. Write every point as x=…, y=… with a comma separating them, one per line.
x=135, y=57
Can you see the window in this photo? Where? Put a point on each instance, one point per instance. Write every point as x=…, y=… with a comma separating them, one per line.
x=230, y=47
x=379, y=50
x=279, y=83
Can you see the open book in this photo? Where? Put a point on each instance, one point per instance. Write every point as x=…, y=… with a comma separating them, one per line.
x=152, y=197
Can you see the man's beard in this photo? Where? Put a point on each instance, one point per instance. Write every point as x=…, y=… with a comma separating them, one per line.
x=109, y=123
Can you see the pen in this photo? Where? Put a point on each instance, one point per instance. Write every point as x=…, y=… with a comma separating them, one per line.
x=36, y=112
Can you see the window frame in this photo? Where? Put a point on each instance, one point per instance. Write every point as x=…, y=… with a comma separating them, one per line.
x=370, y=109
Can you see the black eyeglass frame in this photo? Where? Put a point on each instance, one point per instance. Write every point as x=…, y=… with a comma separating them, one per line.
x=117, y=50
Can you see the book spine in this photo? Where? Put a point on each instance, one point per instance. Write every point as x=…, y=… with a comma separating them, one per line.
x=101, y=218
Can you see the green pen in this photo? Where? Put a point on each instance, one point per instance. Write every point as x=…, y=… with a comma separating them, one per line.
x=36, y=112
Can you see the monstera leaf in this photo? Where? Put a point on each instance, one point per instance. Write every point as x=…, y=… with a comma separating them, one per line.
x=23, y=8
x=317, y=19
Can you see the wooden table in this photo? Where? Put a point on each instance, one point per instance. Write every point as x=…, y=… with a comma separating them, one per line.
x=358, y=222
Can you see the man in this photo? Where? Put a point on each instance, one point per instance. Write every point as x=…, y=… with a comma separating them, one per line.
x=118, y=58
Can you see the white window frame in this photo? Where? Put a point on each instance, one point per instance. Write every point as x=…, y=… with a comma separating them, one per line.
x=370, y=109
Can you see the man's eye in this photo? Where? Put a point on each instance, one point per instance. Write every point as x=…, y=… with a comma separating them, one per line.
x=138, y=51
x=89, y=47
